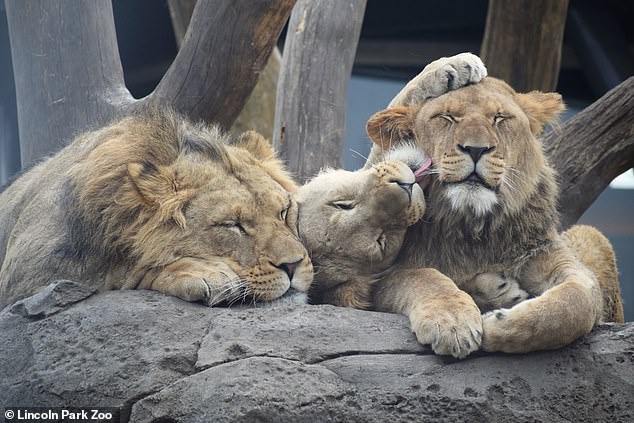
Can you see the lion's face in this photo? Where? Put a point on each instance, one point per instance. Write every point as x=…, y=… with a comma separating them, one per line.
x=353, y=223
x=482, y=140
x=228, y=205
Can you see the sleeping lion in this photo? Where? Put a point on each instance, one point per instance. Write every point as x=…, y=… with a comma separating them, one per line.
x=491, y=209
x=155, y=202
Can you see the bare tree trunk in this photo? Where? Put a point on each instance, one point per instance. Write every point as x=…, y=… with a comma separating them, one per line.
x=522, y=42
x=224, y=50
x=181, y=12
x=69, y=77
x=68, y=74
x=311, y=97
x=9, y=139
x=591, y=149
x=259, y=111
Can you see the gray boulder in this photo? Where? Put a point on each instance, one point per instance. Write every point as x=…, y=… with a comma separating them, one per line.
x=155, y=358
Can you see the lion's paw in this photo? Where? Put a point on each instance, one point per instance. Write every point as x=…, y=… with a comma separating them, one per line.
x=194, y=289
x=450, y=328
x=451, y=73
x=210, y=285
x=441, y=76
x=492, y=291
x=494, y=326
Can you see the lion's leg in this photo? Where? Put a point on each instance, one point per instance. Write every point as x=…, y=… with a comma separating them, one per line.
x=354, y=293
x=594, y=250
x=569, y=306
x=440, y=314
x=196, y=280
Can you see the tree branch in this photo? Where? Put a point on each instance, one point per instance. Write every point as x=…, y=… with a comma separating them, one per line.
x=591, y=149
x=522, y=42
x=181, y=13
x=68, y=74
x=259, y=111
x=224, y=50
x=311, y=97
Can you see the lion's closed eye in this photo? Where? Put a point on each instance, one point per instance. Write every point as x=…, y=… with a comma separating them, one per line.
x=233, y=226
x=343, y=204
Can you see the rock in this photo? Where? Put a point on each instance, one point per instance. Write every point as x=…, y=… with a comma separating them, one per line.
x=157, y=358
x=55, y=297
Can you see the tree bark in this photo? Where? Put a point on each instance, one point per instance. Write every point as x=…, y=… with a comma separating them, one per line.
x=522, y=42
x=9, y=140
x=69, y=78
x=259, y=111
x=181, y=12
x=68, y=75
x=224, y=50
x=311, y=96
x=591, y=149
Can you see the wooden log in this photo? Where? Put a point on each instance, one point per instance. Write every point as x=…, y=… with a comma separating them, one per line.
x=181, y=12
x=68, y=75
x=591, y=149
x=226, y=46
x=311, y=97
x=522, y=42
x=259, y=111
x=9, y=140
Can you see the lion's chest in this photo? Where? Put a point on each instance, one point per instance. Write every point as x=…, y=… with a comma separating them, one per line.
x=460, y=254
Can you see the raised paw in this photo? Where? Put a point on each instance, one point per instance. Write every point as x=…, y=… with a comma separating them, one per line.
x=451, y=327
x=492, y=291
x=458, y=71
x=441, y=76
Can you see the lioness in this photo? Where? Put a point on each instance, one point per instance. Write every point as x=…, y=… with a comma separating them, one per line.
x=155, y=202
x=353, y=225
x=491, y=209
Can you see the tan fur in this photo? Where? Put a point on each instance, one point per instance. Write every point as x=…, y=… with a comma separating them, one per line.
x=353, y=224
x=155, y=202
x=594, y=250
x=504, y=223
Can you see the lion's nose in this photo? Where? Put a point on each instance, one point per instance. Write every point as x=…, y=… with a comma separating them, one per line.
x=289, y=267
x=407, y=187
x=475, y=152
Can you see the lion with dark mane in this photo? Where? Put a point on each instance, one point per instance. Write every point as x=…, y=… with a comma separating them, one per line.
x=154, y=201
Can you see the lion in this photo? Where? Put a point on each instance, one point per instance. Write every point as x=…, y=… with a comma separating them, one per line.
x=353, y=225
x=491, y=209
x=155, y=202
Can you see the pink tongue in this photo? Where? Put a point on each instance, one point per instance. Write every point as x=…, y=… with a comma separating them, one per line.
x=419, y=172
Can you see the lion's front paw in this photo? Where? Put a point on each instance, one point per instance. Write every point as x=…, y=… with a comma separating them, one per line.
x=450, y=73
x=440, y=77
x=194, y=289
x=451, y=328
x=492, y=291
x=194, y=280
x=495, y=325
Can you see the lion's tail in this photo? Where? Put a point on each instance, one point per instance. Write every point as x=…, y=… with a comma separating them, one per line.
x=595, y=251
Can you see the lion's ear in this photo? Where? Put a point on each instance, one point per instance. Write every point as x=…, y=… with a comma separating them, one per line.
x=541, y=108
x=160, y=189
x=255, y=144
x=388, y=127
x=261, y=149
